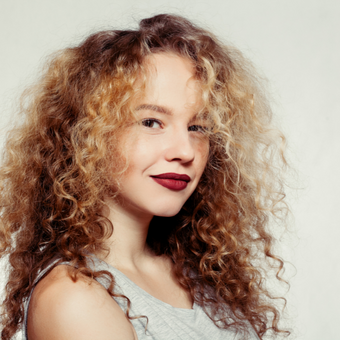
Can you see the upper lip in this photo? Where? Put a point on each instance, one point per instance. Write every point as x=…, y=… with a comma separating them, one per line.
x=172, y=175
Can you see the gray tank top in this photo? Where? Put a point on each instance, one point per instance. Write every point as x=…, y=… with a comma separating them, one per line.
x=165, y=322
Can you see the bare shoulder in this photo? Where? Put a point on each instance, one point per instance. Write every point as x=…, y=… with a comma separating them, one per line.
x=64, y=310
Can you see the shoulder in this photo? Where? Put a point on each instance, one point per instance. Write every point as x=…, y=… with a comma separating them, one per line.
x=62, y=309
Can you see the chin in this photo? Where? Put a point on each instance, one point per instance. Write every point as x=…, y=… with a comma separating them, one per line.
x=168, y=211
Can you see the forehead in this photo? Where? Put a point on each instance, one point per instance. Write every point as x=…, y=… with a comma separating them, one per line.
x=171, y=78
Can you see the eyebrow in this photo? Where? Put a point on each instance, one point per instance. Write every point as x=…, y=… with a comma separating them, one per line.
x=152, y=107
x=162, y=109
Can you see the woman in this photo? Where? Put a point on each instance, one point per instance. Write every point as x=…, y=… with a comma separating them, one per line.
x=136, y=195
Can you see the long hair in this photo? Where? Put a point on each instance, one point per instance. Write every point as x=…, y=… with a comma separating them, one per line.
x=59, y=164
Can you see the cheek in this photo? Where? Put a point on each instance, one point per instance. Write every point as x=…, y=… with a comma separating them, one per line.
x=127, y=146
x=140, y=152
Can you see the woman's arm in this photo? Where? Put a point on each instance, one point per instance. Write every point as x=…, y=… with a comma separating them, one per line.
x=61, y=309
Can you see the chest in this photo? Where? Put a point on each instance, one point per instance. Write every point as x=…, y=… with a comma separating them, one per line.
x=163, y=285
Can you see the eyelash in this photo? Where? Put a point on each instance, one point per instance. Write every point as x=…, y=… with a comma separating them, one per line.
x=148, y=122
x=151, y=120
x=197, y=128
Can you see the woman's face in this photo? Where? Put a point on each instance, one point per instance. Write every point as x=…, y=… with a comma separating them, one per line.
x=166, y=147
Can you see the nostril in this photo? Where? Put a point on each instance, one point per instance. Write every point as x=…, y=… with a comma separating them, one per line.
x=180, y=147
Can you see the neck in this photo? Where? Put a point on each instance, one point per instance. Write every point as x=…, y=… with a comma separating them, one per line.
x=127, y=244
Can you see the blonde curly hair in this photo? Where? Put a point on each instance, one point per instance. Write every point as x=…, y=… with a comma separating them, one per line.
x=54, y=174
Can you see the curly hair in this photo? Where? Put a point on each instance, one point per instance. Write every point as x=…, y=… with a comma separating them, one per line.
x=59, y=164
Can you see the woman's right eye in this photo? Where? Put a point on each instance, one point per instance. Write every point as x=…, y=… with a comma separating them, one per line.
x=151, y=123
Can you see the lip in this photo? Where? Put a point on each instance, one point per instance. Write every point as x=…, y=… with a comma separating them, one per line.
x=172, y=180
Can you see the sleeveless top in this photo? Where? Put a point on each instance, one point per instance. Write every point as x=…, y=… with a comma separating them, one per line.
x=165, y=322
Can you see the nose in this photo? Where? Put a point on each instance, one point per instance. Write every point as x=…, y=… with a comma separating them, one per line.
x=179, y=147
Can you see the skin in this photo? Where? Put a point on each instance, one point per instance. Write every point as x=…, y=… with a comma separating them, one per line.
x=167, y=137
x=162, y=142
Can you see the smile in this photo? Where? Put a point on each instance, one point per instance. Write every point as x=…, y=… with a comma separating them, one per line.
x=172, y=181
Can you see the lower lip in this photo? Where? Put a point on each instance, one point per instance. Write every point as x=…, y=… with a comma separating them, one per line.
x=172, y=184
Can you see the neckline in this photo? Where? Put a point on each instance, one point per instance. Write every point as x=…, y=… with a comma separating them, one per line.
x=145, y=293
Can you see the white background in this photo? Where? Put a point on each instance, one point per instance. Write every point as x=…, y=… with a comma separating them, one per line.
x=295, y=43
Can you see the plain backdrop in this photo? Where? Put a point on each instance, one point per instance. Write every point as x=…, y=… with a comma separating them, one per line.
x=296, y=45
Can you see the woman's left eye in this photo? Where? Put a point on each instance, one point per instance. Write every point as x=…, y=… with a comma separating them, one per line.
x=152, y=123
x=197, y=128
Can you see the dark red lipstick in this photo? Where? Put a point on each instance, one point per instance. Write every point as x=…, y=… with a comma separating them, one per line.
x=172, y=181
